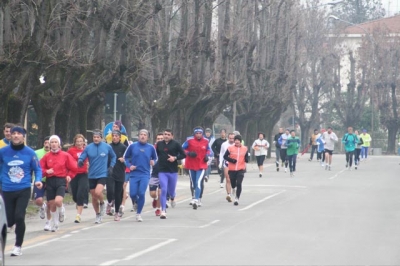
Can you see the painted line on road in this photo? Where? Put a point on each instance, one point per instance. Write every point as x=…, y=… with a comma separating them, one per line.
x=340, y=172
x=140, y=253
x=261, y=201
x=276, y=186
x=207, y=225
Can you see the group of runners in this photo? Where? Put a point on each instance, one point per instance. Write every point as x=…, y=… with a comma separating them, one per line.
x=110, y=162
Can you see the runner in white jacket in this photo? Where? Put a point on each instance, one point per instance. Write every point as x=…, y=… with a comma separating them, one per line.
x=260, y=147
x=329, y=138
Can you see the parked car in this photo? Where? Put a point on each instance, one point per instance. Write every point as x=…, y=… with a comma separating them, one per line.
x=3, y=232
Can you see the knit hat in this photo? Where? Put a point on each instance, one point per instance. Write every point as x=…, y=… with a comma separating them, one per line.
x=236, y=132
x=208, y=130
x=144, y=131
x=198, y=130
x=56, y=138
x=18, y=129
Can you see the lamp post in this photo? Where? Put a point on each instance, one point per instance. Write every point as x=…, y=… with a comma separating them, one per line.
x=371, y=39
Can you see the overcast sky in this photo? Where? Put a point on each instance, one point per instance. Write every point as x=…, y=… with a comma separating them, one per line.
x=391, y=6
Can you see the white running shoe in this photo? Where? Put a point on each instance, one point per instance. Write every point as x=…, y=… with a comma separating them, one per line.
x=98, y=219
x=54, y=227
x=221, y=185
x=61, y=214
x=121, y=210
x=195, y=205
x=285, y=170
x=199, y=203
x=47, y=226
x=16, y=251
x=139, y=218
x=163, y=215
x=191, y=202
x=102, y=209
x=42, y=211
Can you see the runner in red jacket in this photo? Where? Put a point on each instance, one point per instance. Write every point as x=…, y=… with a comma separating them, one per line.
x=197, y=152
x=59, y=167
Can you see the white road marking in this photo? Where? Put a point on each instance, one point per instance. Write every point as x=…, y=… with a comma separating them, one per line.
x=340, y=172
x=260, y=201
x=140, y=253
x=276, y=186
x=206, y=225
x=65, y=236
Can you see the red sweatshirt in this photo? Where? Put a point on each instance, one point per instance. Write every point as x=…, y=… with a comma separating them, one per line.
x=61, y=162
x=75, y=153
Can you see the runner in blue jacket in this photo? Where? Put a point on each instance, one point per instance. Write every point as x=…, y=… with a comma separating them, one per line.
x=101, y=163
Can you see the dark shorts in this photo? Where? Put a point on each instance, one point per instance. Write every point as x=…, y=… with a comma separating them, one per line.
x=55, y=186
x=154, y=183
x=93, y=182
x=39, y=193
x=260, y=160
x=328, y=151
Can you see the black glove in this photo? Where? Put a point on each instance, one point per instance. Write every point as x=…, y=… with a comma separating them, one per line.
x=80, y=164
x=192, y=154
x=205, y=159
x=233, y=161
x=110, y=170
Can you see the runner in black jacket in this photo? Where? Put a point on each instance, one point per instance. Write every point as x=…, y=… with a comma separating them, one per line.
x=278, y=148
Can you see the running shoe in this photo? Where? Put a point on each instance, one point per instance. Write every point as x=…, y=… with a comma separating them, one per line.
x=350, y=168
x=16, y=251
x=206, y=178
x=199, y=203
x=355, y=167
x=102, y=209
x=77, y=219
x=173, y=203
x=167, y=204
x=277, y=169
x=291, y=174
x=163, y=215
x=154, y=203
x=112, y=210
x=47, y=226
x=195, y=205
x=221, y=185
x=139, y=218
x=158, y=212
x=117, y=218
x=61, y=214
x=42, y=211
x=236, y=203
x=54, y=227
x=121, y=210
x=108, y=210
x=228, y=198
x=191, y=202
x=134, y=207
x=326, y=167
x=98, y=219
x=347, y=165
x=85, y=206
x=309, y=160
x=260, y=175
x=285, y=170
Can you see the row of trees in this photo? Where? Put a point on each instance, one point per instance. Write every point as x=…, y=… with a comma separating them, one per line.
x=184, y=63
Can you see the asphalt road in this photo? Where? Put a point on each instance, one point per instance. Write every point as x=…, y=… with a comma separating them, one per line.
x=318, y=217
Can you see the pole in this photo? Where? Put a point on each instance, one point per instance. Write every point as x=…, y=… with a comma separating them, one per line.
x=115, y=106
x=234, y=116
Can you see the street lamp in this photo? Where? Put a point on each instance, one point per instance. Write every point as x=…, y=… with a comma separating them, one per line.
x=371, y=38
